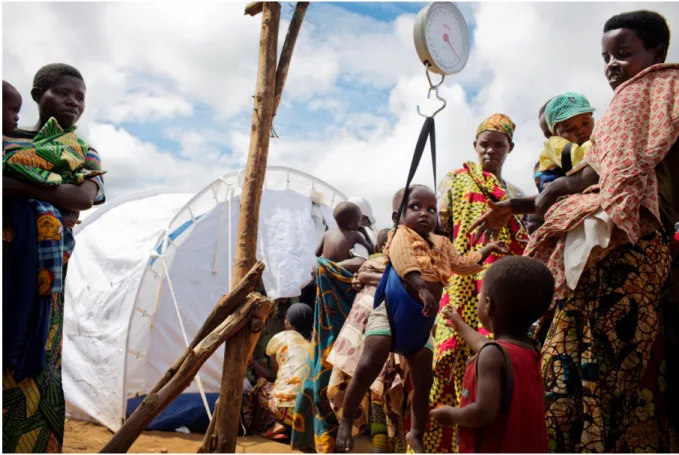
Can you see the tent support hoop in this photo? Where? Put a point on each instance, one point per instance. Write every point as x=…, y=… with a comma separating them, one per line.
x=199, y=383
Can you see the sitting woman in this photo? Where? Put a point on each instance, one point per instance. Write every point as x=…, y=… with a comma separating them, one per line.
x=273, y=397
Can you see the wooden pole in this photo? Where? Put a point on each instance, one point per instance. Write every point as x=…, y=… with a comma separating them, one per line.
x=255, y=308
x=255, y=169
x=286, y=52
x=235, y=354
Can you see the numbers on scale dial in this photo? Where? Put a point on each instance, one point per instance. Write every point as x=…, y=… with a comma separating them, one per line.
x=444, y=38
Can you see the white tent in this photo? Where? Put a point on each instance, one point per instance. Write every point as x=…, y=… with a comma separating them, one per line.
x=148, y=269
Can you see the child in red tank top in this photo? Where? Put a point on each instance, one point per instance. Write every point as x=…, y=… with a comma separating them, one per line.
x=502, y=408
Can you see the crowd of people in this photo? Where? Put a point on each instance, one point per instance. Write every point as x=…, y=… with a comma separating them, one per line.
x=555, y=328
x=424, y=335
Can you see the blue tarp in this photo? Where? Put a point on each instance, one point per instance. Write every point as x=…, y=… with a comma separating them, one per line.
x=186, y=411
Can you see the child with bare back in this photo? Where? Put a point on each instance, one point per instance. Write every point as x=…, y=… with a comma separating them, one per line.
x=337, y=245
x=420, y=263
x=502, y=409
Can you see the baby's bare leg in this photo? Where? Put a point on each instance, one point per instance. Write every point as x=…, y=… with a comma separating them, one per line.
x=420, y=368
x=375, y=353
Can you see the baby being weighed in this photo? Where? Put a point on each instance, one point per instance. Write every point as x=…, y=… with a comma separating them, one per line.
x=420, y=264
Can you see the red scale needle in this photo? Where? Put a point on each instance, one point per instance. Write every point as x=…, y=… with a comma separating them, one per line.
x=446, y=38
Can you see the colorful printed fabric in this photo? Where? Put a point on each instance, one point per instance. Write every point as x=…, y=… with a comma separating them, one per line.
x=633, y=137
x=21, y=139
x=497, y=122
x=604, y=358
x=55, y=156
x=33, y=406
x=384, y=411
x=463, y=197
x=291, y=351
x=315, y=424
x=260, y=410
x=33, y=409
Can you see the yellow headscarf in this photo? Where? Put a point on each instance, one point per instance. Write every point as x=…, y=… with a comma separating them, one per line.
x=497, y=122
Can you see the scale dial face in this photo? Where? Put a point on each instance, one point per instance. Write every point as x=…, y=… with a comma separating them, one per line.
x=442, y=38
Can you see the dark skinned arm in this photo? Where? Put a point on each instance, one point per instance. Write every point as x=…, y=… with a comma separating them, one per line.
x=263, y=372
x=353, y=264
x=488, y=394
x=565, y=186
x=500, y=213
x=363, y=240
x=416, y=282
x=66, y=196
x=364, y=231
x=319, y=248
x=473, y=338
x=369, y=278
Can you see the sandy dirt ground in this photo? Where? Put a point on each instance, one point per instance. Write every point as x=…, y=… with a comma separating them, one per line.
x=84, y=437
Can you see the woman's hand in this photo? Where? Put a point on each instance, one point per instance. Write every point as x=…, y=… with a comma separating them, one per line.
x=491, y=222
x=356, y=283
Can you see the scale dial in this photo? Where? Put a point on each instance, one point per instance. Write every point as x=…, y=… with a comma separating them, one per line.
x=442, y=38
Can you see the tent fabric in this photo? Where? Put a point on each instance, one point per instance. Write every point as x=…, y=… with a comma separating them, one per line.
x=135, y=258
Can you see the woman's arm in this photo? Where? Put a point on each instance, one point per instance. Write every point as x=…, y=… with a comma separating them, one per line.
x=66, y=196
x=565, y=186
x=500, y=213
x=353, y=264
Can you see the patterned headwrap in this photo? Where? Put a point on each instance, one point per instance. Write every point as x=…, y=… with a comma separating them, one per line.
x=497, y=122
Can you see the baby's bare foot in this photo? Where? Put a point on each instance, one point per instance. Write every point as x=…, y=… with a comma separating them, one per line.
x=344, y=442
x=414, y=440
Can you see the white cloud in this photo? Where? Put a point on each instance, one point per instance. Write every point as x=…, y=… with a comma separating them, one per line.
x=148, y=107
x=146, y=61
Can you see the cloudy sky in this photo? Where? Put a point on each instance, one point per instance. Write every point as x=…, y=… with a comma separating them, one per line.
x=170, y=88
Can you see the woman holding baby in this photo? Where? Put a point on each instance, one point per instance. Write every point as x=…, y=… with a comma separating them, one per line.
x=610, y=351
x=37, y=241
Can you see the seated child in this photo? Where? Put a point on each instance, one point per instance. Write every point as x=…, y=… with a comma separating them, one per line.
x=340, y=244
x=423, y=262
x=11, y=105
x=502, y=407
x=570, y=121
x=55, y=156
x=276, y=391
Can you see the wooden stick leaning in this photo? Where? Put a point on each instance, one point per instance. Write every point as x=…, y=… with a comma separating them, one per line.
x=255, y=307
x=286, y=52
x=226, y=305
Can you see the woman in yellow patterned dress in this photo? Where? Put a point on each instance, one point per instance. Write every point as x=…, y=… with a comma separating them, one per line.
x=609, y=384
x=463, y=197
x=36, y=243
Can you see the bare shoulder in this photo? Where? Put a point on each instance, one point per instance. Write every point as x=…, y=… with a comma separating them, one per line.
x=490, y=356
